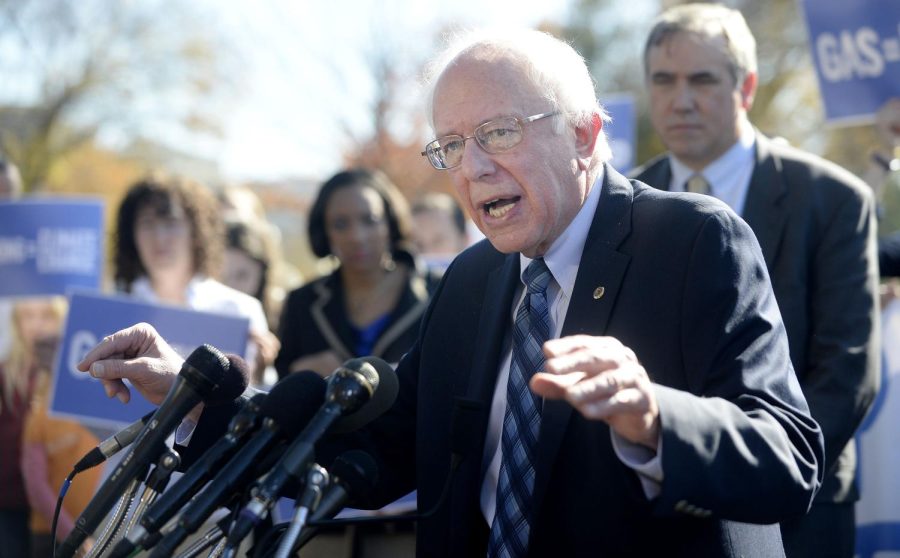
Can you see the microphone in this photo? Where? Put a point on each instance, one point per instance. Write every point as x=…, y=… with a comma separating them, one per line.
x=353, y=474
x=112, y=445
x=287, y=408
x=307, y=502
x=202, y=374
x=171, y=501
x=382, y=399
x=466, y=420
x=123, y=438
x=349, y=388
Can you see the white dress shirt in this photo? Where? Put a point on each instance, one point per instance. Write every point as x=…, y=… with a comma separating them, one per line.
x=728, y=176
x=209, y=295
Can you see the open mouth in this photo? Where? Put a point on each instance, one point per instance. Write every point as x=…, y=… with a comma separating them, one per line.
x=501, y=206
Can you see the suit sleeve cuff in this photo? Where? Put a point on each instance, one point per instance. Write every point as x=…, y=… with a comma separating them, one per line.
x=643, y=461
x=185, y=432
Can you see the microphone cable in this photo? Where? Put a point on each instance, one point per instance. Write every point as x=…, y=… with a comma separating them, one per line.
x=59, y=500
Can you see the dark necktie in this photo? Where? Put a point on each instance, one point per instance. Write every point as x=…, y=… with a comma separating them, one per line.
x=697, y=184
x=521, y=423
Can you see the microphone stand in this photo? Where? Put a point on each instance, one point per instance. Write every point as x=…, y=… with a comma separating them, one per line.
x=122, y=507
x=156, y=483
x=218, y=549
x=212, y=537
x=467, y=417
x=311, y=495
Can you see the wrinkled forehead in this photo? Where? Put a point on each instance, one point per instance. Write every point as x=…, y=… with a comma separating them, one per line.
x=479, y=86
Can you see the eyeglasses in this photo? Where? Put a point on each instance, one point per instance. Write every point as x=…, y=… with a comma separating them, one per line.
x=495, y=136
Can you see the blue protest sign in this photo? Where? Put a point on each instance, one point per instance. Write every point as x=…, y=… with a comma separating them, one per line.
x=856, y=51
x=622, y=131
x=92, y=317
x=48, y=246
x=877, y=512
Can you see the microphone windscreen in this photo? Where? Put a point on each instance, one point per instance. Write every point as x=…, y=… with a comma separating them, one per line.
x=382, y=399
x=205, y=370
x=357, y=470
x=294, y=400
x=234, y=382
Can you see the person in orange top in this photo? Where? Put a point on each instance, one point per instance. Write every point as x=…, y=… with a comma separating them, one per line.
x=50, y=446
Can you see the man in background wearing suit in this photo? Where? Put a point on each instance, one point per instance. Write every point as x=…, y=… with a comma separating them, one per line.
x=815, y=223
x=623, y=344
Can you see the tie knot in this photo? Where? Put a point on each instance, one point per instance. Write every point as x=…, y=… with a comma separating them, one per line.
x=537, y=276
x=697, y=184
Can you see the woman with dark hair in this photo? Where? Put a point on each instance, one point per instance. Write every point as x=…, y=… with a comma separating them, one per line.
x=373, y=302
x=169, y=248
x=246, y=260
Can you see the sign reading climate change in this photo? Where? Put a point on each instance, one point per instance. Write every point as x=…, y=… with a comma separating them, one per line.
x=50, y=245
x=92, y=317
x=856, y=50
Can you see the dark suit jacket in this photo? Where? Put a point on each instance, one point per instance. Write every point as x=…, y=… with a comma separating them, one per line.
x=889, y=255
x=685, y=286
x=816, y=225
x=315, y=319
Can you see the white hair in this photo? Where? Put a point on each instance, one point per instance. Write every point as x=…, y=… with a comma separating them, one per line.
x=553, y=66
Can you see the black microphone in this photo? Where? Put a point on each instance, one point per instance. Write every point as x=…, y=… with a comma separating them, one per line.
x=287, y=409
x=353, y=475
x=466, y=420
x=123, y=438
x=349, y=388
x=112, y=445
x=382, y=399
x=174, y=499
x=202, y=374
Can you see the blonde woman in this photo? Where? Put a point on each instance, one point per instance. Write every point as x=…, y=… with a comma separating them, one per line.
x=17, y=383
x=49, y=446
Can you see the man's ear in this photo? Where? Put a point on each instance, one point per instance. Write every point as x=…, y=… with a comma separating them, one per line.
x=748, y=90
x=586, y=136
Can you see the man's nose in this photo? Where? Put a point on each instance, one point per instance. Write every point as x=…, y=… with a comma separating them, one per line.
x=683, y=99
x=476, y=162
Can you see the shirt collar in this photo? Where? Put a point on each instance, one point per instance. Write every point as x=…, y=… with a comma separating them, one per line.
x=564, y=254
x=142, y=289
x=720, y=170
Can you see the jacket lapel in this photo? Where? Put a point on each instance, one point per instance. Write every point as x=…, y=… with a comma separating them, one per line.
x=493, y=326
x=478, y=385
x=597, y=286
x=325, y=310
x=764, y=209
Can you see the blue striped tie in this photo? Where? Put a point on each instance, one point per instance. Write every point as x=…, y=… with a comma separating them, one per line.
x=522, y=422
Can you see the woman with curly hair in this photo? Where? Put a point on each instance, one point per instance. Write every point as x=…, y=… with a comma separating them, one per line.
x=169, y=248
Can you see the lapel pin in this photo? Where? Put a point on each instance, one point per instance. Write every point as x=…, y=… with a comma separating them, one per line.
x=599, y=292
